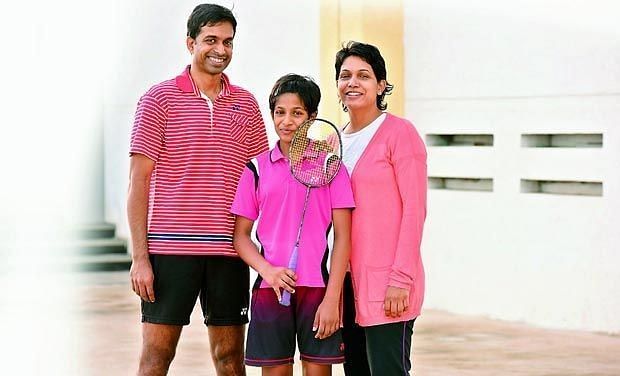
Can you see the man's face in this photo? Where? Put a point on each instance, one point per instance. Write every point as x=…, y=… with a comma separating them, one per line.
x=212, y=49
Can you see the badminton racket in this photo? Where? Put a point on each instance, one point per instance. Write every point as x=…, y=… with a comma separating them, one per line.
x=315, y=157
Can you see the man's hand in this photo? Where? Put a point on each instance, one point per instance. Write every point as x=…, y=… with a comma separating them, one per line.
x=326, y=319
x=279, y=278
x=141, y=274
x=396, y=301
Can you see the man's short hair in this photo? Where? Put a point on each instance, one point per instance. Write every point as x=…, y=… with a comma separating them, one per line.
x=209, y=14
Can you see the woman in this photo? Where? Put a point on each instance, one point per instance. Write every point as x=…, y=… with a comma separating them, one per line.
x=387, y=162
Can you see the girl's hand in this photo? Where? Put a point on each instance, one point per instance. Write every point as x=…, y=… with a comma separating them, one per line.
x=279, y=278
x=326, y=319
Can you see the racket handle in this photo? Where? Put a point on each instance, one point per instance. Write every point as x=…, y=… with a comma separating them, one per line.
x=286, y=299
x=292, y=264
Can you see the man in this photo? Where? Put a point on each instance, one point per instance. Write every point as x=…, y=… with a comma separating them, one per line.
x=191, y=138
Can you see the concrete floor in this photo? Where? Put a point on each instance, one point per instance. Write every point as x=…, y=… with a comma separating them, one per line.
x=444, y=344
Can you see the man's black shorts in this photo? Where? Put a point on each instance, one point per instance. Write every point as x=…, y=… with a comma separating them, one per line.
x=221, y=282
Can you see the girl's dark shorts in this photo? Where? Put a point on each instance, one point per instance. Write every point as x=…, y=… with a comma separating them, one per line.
x=274, y=328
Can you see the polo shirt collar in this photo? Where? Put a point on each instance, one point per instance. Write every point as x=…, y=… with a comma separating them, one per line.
x=276, y=154
x=186, y=83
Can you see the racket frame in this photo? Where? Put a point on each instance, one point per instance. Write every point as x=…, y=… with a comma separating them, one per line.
x=292, y=264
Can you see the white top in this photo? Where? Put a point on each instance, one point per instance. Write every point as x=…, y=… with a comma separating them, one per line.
x=354, y=144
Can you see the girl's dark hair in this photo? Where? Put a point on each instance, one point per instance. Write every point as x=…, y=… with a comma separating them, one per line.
x=372, y=56
x=208, y=14
x=303, y=86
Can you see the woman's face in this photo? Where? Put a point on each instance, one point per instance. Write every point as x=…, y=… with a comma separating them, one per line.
x=357, y=84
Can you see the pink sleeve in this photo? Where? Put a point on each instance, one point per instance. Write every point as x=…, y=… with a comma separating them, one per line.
x=340, y=190
x=147, y=135
x=408, y=157
x=245, y=203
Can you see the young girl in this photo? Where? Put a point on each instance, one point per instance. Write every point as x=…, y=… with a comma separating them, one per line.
x=268, y=190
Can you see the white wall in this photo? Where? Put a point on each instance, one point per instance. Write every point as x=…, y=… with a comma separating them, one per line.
x=509, y=68
x=147, y=45
x=483, y=66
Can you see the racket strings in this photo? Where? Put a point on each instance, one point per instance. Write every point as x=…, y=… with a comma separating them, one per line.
x=315, y=153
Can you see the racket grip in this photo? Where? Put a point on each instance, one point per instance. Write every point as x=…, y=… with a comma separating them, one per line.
x=292, y=264
x=286, y=299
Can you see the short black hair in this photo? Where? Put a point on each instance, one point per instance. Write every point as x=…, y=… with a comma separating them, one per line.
x=304, y=86
x=372, y=56
x=209, y=14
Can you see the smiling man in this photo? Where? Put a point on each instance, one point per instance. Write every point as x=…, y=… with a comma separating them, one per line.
x=191, y=138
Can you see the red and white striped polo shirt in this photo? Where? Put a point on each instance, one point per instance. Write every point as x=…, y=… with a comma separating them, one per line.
x=200, y=149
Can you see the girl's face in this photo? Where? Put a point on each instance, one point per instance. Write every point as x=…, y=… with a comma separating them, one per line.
x=289, y=113
x=357, y=84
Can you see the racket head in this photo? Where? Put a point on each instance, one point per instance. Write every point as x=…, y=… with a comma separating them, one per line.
x=315, y=154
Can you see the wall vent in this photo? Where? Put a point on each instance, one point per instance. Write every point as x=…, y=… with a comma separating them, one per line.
x=459, y=140
x=574, y=140
x=461, y=184
x=562, y=187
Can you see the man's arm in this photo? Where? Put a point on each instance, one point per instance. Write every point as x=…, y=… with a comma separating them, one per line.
x=141, y=272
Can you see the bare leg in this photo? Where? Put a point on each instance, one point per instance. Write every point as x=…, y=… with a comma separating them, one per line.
x=159, y=343
x=315, y=369
x=227, y=349
x=282, y=370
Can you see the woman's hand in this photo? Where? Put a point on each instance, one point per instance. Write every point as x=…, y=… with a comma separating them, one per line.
x=396, y=301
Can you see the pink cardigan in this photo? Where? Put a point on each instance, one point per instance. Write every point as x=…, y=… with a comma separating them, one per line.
x=389, y=185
